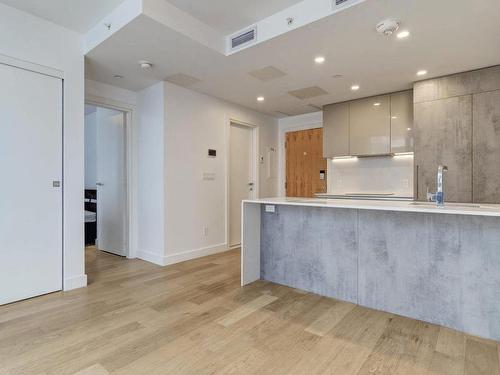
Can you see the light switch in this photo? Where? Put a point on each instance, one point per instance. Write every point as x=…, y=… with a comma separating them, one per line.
x=208, y=176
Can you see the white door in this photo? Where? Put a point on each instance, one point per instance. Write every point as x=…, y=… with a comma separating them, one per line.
x=111, y=185
x=30, y=191
x=241, y=180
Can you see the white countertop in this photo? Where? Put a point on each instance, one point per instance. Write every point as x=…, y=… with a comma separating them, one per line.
x=403, y=206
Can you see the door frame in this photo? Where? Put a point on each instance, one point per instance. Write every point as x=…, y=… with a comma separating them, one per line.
x=255, y=167
x=283, y=129
x=130, y=172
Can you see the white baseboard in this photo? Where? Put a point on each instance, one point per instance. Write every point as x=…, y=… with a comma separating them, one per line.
x=181, y=256
x=197, y=253
x=151, y=257
x=75, y=282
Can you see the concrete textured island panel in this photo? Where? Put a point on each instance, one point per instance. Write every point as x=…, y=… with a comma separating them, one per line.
x=440, y=268
x=443, y=269
x=311, y=248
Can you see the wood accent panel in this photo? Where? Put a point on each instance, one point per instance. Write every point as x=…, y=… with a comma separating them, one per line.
x=139, y=318
x=304, y=161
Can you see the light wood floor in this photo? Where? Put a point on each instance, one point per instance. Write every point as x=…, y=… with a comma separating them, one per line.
x=193, y=318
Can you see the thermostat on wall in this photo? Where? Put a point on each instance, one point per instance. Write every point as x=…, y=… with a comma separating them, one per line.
x=212, y=153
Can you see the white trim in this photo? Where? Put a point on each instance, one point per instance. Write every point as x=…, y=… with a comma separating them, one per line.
x=165, y=260
x=75, y=282
x=255, y=166
x=131, y=172
x=283, y=129
x=151, y=257
x=26, y=65
x=193, y=254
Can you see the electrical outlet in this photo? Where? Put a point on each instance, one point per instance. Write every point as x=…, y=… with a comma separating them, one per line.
x=270, y=208
x=205, y=231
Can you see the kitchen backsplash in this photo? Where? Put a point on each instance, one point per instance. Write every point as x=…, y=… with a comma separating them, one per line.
x=382, y=175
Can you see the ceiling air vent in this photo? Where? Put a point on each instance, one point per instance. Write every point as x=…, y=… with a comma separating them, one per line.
x=243, y=38
x=339, y=4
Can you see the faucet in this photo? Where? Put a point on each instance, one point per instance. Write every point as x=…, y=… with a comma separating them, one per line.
x=440, y=192
x=438, y=197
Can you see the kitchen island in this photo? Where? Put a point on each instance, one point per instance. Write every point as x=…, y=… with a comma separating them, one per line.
x=440, y=265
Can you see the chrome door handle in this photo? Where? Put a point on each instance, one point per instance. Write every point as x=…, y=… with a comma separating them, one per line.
x=99, y=184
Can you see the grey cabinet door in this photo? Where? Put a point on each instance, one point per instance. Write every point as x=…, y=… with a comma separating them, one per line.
x=370, y=126
x=486, y=147
x=443, y=135
x=402, y=122
x=336, y=130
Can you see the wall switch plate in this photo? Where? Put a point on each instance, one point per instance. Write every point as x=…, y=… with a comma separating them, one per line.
x=270, y=208
x=208, y=176
x=205, y=231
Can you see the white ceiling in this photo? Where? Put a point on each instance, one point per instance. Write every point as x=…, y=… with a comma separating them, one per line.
x=228, y=16
x=77, y=15
x=447, y=36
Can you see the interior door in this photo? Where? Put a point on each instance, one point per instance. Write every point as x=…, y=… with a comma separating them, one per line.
x=241, y=180
x=305, y=164
x=111, y=181
x=31, y=190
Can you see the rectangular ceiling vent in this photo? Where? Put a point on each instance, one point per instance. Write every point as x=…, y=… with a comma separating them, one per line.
x=341, y=3
x=244, y=38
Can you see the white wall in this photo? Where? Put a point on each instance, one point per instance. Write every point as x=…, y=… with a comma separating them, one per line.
x=150, y=174
x=34, y=40
x=90, y=150
x=177, y=127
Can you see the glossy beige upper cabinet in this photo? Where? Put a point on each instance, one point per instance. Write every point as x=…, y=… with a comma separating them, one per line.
x=402, y=122
x=336, y=130
x=370, y=126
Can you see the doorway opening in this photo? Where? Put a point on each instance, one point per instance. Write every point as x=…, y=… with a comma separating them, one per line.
x=242, y=181
x=106, y=188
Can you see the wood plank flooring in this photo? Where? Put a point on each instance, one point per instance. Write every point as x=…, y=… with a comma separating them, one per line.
x=194, y=318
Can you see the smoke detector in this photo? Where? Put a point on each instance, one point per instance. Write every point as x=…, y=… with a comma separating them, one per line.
x=388, y=26
x=146, y=65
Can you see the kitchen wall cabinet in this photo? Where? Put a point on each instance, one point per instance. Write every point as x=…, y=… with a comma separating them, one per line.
x=486, y=147
x=336, y=130
x=370, y=126
x=377, y=125
x=402, y=122
x=443, y=136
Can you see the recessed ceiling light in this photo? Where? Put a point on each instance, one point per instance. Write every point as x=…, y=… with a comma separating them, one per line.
x=403, y=34
x=421, y=72
x=376, y=104
x=355, y=87
x=117, y=76
x=146, y=65
x=408, y=129
x=394, y=117
x=319, y=60
x=260, y=98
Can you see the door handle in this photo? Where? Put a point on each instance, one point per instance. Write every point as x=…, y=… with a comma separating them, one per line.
x=99, y=184
x=251, y=184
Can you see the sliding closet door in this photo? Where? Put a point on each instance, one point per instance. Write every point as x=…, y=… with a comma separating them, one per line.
x=31, y=186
